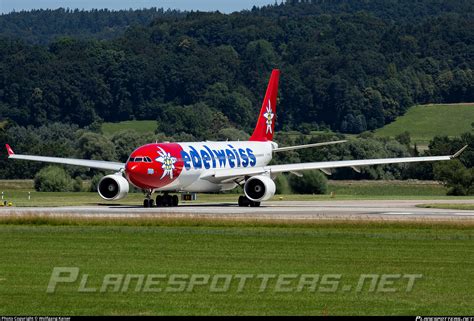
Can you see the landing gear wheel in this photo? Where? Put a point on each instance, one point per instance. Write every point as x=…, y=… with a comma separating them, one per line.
x=244, y=201
x=159, y=201
x=167, y=200
x=147, y=203
x=241, y=201
x=254, y=204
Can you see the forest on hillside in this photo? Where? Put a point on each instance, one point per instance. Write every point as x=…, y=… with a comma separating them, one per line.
x=45, y=25
x=348, y=66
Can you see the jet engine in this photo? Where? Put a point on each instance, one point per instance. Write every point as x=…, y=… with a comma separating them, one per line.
x=113, y=187
x=259, y=188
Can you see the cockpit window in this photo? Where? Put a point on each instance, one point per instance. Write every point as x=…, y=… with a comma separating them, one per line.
x=140, y=159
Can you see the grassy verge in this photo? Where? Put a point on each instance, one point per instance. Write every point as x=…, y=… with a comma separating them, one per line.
x=449, y=206
x=16, y=184
x=442, y=255
x=17, y=193
x=409, y=188
x=42, y=219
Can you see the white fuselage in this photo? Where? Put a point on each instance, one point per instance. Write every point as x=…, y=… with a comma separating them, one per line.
x=190, y=161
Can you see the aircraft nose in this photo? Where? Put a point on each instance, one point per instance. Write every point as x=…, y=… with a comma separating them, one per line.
x=141, y=170
x=154, y=165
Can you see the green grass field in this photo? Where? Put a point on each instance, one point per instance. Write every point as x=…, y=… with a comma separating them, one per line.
x=442, y=255
x=140, y=126
x=427, y=121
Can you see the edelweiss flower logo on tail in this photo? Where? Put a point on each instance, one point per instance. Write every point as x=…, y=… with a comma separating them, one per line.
x=167, y=163
x=269, y=117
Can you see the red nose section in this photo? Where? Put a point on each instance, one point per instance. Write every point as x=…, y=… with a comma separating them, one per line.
x=154, y=165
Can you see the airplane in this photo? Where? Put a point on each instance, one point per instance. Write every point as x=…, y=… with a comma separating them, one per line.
x=213, y=166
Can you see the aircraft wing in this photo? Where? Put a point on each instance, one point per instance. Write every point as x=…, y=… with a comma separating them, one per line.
x=113, y=166
x=228, y=175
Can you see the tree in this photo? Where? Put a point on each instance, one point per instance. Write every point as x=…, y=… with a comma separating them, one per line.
x=312, y=182
x=125, y=142
x=282, y=184
x=53, y=179
x=95, y=182
x=232, y=134
x=97, y=147
x=456, y=177
x=404, y=138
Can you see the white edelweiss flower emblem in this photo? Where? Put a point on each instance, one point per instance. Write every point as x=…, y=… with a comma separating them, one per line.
x=167, y=163
x=269, y=117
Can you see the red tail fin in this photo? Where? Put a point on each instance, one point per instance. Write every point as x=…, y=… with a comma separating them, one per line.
x=266, y=120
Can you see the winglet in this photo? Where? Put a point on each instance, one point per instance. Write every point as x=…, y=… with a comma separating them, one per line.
x=9, y=150
x=459, y=152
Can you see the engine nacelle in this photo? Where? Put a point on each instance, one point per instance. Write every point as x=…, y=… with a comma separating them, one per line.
x=113, y=187
x=259, y=188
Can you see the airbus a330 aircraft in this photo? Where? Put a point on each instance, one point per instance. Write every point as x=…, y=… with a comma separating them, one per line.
x=212, y=166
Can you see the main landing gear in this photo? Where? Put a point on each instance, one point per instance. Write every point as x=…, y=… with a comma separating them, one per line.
x=167, y=200
x=244, y=202
x=164, y=200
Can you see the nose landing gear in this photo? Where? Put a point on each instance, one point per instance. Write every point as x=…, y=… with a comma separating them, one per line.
x=148, y=201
